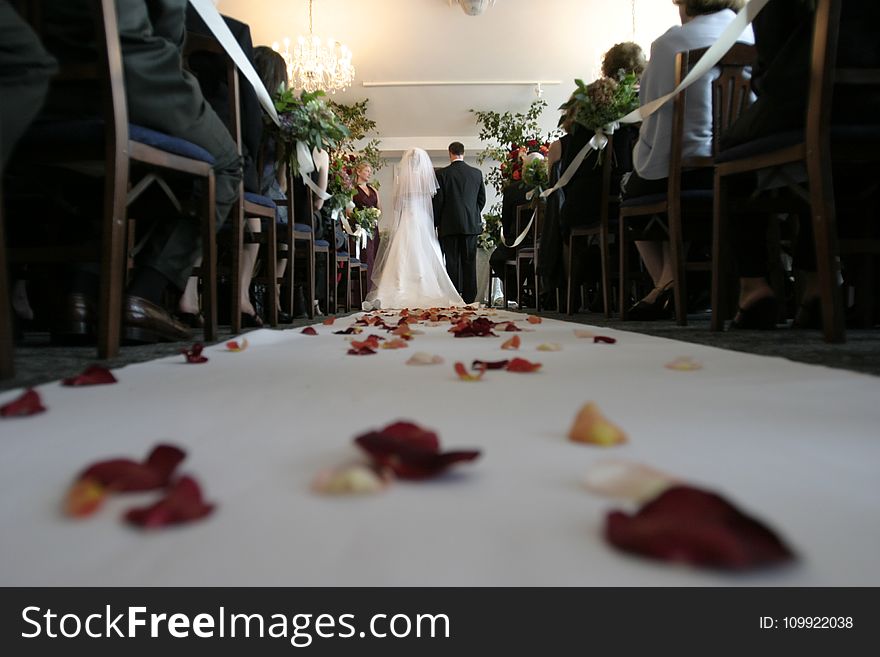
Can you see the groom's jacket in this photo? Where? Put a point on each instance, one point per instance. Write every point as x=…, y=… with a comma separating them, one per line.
x=459, y=200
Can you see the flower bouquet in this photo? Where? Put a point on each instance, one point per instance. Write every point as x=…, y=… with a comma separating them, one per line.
x=366, y=218
x=535, y=175
x=306, y=118
x=491, y=235
x=604, y=101
x=340, y=183
x=516, y=158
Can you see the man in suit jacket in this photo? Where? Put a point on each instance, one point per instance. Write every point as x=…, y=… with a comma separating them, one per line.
x=457, y=207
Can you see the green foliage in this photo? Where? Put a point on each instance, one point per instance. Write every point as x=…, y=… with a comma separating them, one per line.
x=307, y=118
x=367, y=218
x=354, y=117
x=506, y=133
x=491, y=235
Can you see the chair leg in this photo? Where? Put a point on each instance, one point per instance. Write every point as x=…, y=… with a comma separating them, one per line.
x=606, y=274
x=568, y=287
x=7, y=366
x=209, y=260
x=624, y=266
x=237, y=226
x=825, y=236
x=113, y=263
x=676, y=246
x=272, y=268
x=719, y=253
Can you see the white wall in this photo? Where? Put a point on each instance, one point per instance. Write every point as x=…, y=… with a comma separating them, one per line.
x=427, y=40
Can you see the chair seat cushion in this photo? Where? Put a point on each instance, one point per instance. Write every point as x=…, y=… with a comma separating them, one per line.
x=302, y=228
x=86, y=131
x=651, y=199
x=257, y=199
x=846, y=133
x=322, y=243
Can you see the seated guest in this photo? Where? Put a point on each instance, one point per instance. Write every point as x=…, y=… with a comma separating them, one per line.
x=702, y=22
x=783, y=39
x=579, y=200
x=162, y=96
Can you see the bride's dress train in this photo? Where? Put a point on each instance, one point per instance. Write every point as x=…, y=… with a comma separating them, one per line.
x=409, y=270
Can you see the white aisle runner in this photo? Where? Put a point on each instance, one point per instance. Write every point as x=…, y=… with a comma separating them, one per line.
x=794, y=445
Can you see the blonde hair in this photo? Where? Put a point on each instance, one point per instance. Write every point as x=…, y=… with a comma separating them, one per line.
x=698, y=7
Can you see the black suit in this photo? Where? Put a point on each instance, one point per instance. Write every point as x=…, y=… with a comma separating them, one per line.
x=457, y=207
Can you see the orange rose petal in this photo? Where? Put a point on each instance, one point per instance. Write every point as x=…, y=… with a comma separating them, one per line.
x=580, y=333
x=684, y=364
x=533, y=319
x=396, y=343
x=84, y=498
x=329, y=321
x=522, y=365
x=511, y=343
x=591, y=427
x=234, y=345
x=465, y=375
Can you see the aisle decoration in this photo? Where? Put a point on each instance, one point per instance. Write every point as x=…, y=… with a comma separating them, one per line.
x=121, y=475
x=593, y=428
x=352, y=479
x=464, y=375
x=329, y=321
x=489, y=364
x=489, y=238
x=522, y=366
x=534, y=319
x=684, y=364
x=28, y=403
x=627, y=480
x=511, y=343
x=424, y=358
x=309, y=330
x=93, y=375
x=604, y=339
x=698, y=527
x=182, y=503
x=306, y=122
x=549, y=346
x=481, y=327
x=410, y=451
x=235, y=345
x=194, y=355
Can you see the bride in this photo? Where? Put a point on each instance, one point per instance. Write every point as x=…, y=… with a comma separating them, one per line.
x=409, y=270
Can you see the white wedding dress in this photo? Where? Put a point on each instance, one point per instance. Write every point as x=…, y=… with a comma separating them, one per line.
x=409, y=270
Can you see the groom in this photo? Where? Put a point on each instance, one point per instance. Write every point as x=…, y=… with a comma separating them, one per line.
x=457, y=207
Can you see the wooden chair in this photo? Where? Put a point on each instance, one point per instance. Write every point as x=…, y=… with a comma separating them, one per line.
x=7, y=366
x=528, y=251
x=133, y=158
x=817, y=148
x=730, y=95
x=249, y=204
x=598, y=231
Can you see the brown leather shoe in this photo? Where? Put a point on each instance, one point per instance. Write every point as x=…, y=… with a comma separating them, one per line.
x=144, y=321
x=75, y=319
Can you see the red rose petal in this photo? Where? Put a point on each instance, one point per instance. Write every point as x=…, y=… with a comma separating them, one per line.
x=29, y=403
x=685, y=524
x=183, y=503
x=309, y=330
x=522, y=365
x=410, y=451
x=604, y=339
x=361, y=351
x=129, y=475
x=93, y=375
x=194, y=354
x=489, y=364
x=464, y=375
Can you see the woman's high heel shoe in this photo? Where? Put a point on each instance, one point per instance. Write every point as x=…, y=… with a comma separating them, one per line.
x=760, y=316
x=662, y=307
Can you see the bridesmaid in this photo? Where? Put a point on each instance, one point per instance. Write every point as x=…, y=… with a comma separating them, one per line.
x=367, y=196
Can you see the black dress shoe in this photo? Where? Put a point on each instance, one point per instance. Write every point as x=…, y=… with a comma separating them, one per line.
x=251, y=321
x=75, y=320
x=145, y=322
x=662, y=307
x=760, y=316
x=192, y=320
x=284, y=318
x=808, y=315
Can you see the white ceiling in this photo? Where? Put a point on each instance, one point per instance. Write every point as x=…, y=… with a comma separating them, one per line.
x=427, y=40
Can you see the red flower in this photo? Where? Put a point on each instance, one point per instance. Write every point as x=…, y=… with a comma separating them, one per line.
x=194, y=354
x=517, y=174
x=531, y=143
x=183, y=503
x=697, y=527
x=410, y=451
x=29, y=403
x=480, y=327
x=93, y=375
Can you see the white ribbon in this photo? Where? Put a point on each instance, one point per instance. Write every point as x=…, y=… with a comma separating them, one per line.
x=522, y=235
x=306, y=165
x=358, y=233
x=707, y=62
x=220, y=30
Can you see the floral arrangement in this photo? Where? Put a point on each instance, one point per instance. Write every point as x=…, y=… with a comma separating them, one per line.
x=307, y=118
x=340, y=182
x=354, y=117
x=512, y=168
x=535, y=175
x=603, y=101
x=367, y=218
x=510, y=136
x=491, y=235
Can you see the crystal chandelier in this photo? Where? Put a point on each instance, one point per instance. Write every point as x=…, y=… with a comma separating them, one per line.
x=313, y=65
x=473, y=7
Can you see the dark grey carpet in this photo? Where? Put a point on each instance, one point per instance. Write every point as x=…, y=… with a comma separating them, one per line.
x=37, y=361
